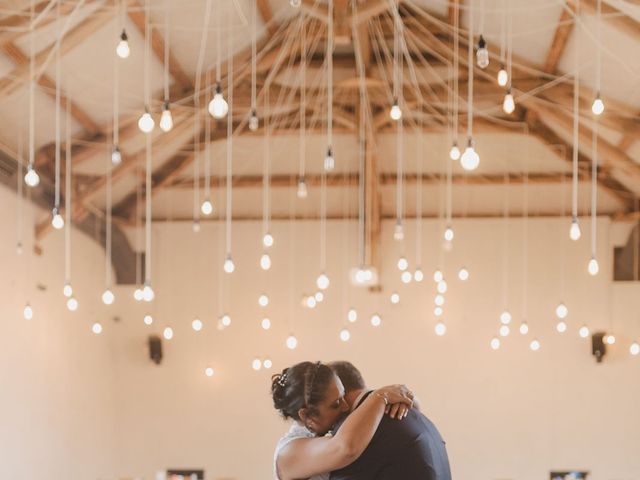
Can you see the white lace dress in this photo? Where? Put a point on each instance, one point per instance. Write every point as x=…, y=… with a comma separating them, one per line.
x=296, y=431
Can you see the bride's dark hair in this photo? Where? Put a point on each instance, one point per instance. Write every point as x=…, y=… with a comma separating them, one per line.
x=301, y=386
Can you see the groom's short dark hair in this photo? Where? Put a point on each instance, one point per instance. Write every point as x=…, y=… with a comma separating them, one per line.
x=349, y=375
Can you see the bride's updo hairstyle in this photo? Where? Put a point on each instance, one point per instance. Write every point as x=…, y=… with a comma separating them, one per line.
x=301, y=386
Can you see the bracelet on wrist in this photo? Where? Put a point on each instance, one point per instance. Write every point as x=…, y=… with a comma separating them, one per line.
x=383, y=397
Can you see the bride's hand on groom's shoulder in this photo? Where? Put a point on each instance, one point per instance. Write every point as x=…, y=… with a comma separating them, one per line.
x=399, y=399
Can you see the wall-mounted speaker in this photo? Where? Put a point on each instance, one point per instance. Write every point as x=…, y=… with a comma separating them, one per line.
x=598, y=347
x=155, y=349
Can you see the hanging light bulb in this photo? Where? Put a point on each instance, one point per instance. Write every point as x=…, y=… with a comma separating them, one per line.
x=610, y=339
x=96, y=328
x=319, y=296
x=503, y=76
x=406, y=277
x=509, y=104
x=145, y=122
x=254, y=123
x=31, y=178
x=448, y=234
x=463, y=274
x=67, y=291
x=218, y=106
x=138, y=295
x=634, y=349
x=329, y=161
x=322, y=281
x=292, y=342
x=574, y=231
x=418, y=276
x=295, y=3
x=229, y=266
x=482, y=55
x=442, y=287
x=505, y=317
x=454, y=153
x=395, y=113
x=108, y=297
x=562, y=311
x=534, y=345
x=524, y=328
x=19, y=248
x=167, y=333
x=598, y=105
x=166, y=120
x=56, y=219
x=345, y=335
x=495, y=343
x=225, y=320
x=352, y=315
x=398, y=232
x=310, y=302
x=439, y=300
x=148, y=320
x=376, y=320
x=265, y=261
x=27, y=313
x=440, y=329
x=123, y=50
x=438, y=311
x=265, y=324
x=209, y=372
x=195, y=226
x=267, y=240
x=263, y=300
x=147, y=292
x=207, y=207
x=593, y=267
x=403, y=264
x=584, y=331
x=504, y=330
x=116, y=155
x=395, y=298
x=267, y=364
x=196, y=324
x=470, y=158
x=302, y=188
x=72, y=304
x=561, y=326
x=438, y=276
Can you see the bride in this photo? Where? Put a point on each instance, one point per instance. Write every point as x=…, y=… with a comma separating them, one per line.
x=313, y=396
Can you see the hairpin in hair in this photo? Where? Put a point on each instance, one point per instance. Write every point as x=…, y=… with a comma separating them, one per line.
x=282, y=380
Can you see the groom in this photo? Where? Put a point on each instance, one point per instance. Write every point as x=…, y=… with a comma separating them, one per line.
x=409, y=449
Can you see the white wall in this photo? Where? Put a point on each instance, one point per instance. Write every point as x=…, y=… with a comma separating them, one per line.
x=510, y=414
x=57, y=416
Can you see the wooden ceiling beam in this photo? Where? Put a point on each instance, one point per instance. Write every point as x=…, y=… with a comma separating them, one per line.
x=139, y=17
x=565, y=26
x=267, y=16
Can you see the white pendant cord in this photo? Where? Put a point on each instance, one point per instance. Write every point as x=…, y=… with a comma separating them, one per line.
x=229, y=179
x=116, y=103
x=254, y=54
x=58, y=120
x=67, y=196
x=148, y=186
x=525, y=241
x=330, y=77
x=207, y=145
x=19, y=203
x=599, y=46
x=397, y=65
x=138, y=226
x=576, y=133
x=303, y=99
x=505, y=226
x=471, y=63
x=419, y=193
x=167, y=35
x=108, y=224
x=147, y=59
x=509, y=45
x=266, y=166
x=32, y=84
x=503, y=32
x=456, y=71
x=218, y=44
x=362, y=90
x=594, y=188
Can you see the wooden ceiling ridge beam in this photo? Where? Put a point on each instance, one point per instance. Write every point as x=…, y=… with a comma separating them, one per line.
x=139, y=17
x=566, y=24
x=73, y=38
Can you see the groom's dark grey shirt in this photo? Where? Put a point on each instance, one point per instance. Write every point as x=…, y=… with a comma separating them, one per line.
x=408, y=449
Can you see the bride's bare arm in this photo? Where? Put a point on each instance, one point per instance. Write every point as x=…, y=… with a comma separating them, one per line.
x=305, y=457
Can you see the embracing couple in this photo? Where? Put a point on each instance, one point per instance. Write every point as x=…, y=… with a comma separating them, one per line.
x=344, y=431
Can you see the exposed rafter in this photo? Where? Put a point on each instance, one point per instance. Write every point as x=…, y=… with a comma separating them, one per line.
x=566, y=24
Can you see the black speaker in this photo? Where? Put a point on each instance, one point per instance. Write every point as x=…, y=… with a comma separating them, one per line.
x=155, y=349
x=598, y=347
